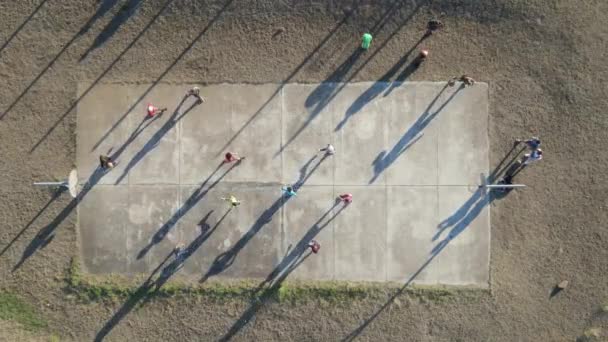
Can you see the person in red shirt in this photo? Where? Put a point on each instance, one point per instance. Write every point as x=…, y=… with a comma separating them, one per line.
x=314, y=246
x=346, y=198
x=230, y=157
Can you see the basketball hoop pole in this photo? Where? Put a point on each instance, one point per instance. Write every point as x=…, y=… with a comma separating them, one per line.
x=69, y=184
x=485, y=185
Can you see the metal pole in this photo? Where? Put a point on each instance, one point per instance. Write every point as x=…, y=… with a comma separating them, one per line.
x=52, y=183
x=504, y=186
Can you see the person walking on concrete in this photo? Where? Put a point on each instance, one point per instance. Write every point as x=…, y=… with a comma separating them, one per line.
x=346, y=198
x=196, y=92
x=289, y=191
x=153, y=111
x=180, y=251
x=329, y=150
x=532, y=157
x=230, y=157
x=314, y=246
x=106, y=162
x=533, y=143
x=467, y=80
x=232, y=200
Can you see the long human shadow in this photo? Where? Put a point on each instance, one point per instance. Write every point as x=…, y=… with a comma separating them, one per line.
x=96, y=81
x=165, y=72
x=261, y=297
x=322, y=95
x=458, y=222
x=267, y=288
x=151, y=286
x=382, y=84
x=380, y=47
x=154, y=141
x=290, y=76
x=194, y=198
x=139, y=294
x=55, y=195
x=47, y=233
x=302, y=244
x=20, y=27
x=304, y=174
x=327, y=90
x=385, y=159
x=503, y=165
x=356, y=332
x=224, y=260
x=105, y=7
x=125, y=12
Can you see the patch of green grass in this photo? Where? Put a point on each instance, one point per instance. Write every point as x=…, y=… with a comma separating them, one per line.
x=93, y=288
x=54, y=338
x=15, y=309
x=590, y=335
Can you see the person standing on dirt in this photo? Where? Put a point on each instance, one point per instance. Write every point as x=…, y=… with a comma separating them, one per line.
x=433, y=26
x=106, y=162
x=533, y=143
x=532, y=157
x=422, y=56
x=467, y=80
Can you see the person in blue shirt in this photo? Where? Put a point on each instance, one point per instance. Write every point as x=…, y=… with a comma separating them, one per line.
x=289, y=191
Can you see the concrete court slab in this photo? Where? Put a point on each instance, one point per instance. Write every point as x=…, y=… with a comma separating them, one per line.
x=246, y=243
x=362, y=134
x=306, y=128
x=104, y=216
x=310, y=216
x=241, y=120
x=174, y=179
x=360, y=235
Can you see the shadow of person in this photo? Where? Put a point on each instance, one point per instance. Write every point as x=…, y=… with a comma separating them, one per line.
x=413, y=134
x=324, y=93
x=124, y=13
x=459, y=223
x=155, y=140
x=268, y=287
x=47, y=233
x=261, y=297
x=382, y=84
x=151, y=286
x=189, y=203
x=56, y=193
x=224, y=260
x=138, y=295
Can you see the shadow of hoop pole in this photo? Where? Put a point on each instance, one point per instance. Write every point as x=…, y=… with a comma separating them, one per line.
x=102, y=75
x=56, y=194
x=18, y=29
x=289, y=77
x=164, y=73
x=105, y=7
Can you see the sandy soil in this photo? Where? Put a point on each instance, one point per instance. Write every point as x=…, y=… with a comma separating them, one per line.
x=542, y=59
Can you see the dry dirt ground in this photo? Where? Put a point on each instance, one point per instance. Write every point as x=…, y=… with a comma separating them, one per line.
x=543, y=60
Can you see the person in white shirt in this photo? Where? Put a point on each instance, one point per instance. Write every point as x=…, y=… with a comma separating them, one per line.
x=532, y=157
x=329, y=149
